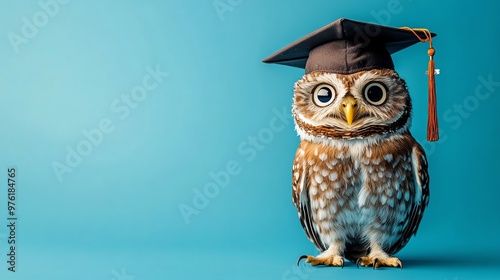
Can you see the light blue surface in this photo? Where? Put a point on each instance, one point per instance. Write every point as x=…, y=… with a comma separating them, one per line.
x=148, y=103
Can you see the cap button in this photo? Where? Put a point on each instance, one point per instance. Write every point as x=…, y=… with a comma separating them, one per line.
x=431, y=51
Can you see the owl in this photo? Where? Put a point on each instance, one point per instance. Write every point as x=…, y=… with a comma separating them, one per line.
x=359, y=182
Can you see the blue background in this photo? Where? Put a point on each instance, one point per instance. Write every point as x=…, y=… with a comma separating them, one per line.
x=117, y=215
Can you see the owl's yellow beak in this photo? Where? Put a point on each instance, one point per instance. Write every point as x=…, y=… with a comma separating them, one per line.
x=349, y=105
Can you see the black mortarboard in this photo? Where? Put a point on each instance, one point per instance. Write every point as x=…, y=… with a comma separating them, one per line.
x=347, y=46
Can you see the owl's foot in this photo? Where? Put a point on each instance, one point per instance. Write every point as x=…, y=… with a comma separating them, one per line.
x=379, y=262
x=327, y=260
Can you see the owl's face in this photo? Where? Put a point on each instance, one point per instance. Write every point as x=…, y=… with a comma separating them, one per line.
x=359, y=105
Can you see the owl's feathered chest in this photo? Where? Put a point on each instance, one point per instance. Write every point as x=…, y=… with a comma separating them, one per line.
x=350, y=182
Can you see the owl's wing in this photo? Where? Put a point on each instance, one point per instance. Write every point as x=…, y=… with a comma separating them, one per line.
x=421, y=178
x=301, y=200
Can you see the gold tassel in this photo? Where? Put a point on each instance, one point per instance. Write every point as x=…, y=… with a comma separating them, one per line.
x=432, y=122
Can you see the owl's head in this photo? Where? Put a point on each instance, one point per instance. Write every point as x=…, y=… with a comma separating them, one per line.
x=355, y=106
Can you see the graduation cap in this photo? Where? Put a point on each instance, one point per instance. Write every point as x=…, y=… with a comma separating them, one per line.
x=347, y=46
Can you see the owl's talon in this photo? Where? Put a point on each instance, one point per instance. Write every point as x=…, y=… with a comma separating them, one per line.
x=300, y=258
x=364, y=261
x=326, y=261
x=379, y=262
x=375, y=263
x=400, y=264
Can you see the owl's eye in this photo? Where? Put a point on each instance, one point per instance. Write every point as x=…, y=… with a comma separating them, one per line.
x=323, y=95
x=375, y=93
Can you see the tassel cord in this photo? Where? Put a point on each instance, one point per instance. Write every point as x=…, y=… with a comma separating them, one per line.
x=432, y=122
